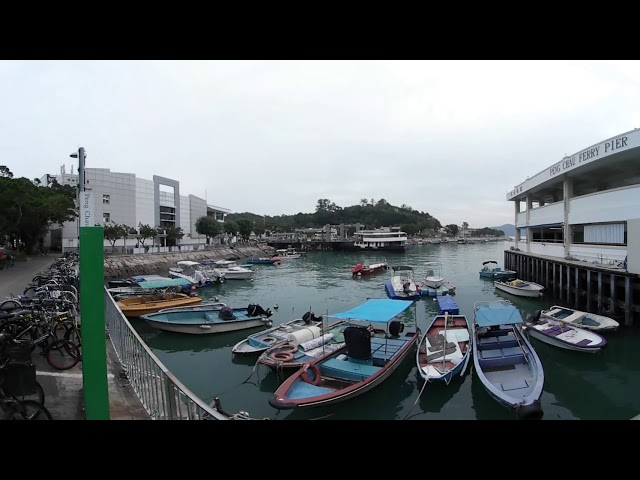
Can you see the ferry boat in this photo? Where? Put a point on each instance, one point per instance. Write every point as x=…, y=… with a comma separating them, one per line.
x=380, y=240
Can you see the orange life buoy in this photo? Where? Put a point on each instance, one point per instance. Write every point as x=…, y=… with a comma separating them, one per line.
x=288, y=348
x=282, y=356
x=316, y=374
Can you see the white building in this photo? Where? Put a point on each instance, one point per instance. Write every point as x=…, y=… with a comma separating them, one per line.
x=125, y=199
x=585, y=206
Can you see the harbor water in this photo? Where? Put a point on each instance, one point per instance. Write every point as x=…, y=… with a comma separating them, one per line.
x=604, y=385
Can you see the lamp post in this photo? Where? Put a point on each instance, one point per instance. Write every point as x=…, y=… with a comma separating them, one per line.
x=92, y=305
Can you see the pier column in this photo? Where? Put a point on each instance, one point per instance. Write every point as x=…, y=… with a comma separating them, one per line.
x=528, y=222
x=567, y=190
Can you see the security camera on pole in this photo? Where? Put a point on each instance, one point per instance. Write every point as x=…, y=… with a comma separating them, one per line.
x=94, y=348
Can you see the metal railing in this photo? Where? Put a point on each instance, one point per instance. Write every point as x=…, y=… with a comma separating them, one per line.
x=163, y=396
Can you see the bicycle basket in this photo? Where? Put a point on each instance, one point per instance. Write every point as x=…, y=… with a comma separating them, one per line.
x=15, y=352
x=18, y=379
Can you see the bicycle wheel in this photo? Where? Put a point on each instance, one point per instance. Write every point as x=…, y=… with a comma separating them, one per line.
x=10, y=305
x=37, y=396
x=28, y=410
x=62, y=354
x=73, y=335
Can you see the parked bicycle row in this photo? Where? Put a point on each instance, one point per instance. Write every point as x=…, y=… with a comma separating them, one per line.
x=44, y=316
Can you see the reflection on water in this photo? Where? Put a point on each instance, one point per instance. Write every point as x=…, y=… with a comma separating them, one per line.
x=604, y=385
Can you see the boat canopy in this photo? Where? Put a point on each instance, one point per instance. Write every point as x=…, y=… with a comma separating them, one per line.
x=375, y=310
x=490, y=314
x=399, y=268
x=489, y=261
x=169, y=282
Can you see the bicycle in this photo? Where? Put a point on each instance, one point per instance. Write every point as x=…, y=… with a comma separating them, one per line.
x=17, y=385
x=61, y=354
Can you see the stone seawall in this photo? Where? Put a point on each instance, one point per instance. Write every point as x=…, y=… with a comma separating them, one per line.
x=124, y=266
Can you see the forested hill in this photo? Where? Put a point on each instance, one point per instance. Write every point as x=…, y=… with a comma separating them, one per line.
x=372, y=214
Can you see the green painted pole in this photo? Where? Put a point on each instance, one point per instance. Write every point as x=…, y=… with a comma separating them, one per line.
x=94, y=343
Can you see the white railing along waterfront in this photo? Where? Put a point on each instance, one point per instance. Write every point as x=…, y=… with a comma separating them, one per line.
x=161, y=393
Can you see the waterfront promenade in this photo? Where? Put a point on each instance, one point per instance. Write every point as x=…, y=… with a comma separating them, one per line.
x=63, y=390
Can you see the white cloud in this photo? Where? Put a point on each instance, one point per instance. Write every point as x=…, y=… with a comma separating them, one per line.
x=271, y=137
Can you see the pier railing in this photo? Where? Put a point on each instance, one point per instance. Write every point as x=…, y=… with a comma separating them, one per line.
x=163, y=396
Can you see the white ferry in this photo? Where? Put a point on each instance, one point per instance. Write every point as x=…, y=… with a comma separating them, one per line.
x=380, y=240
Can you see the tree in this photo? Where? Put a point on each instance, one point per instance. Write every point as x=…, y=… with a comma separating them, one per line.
x=29, y=210
x=173, y=235
x=146, y=231
x=231, y=228
x=208, y=226
x=113, y=232
x=245, y=227
x=452, y=229
x=364, y=202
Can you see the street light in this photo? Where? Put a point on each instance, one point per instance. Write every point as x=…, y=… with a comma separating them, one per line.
x=81, y=156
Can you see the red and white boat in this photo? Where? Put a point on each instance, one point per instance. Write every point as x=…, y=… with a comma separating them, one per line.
x=363, y=269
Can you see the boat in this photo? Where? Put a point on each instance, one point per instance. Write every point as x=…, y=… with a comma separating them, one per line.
x=197, y=273
x=504, y=360
x=286, y=253
x=300, y=348
x=214, y=319
x=433, y=275
x=364, y=269
x=146, y=304
x=402, y=285
x=490, y=269
x=586, y=320
x=263, y=261
x=380, y=240
x=562, y=335
x=434, y=284
x=148, y=285
x=444, y=350
x=519, y=287
x=257, y=343
x=230, y=269
x=375, y=345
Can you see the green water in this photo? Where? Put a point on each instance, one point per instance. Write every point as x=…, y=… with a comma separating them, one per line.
x=605, y=385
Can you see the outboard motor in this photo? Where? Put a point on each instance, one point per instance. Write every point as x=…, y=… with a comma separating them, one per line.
x=309, y=317
x=396, y=328
x=406, y=287
x=226, y=313
x=532, y=411
x=255, y=310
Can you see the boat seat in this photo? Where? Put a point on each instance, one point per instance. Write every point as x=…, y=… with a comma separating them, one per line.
x=554, y=332
x=490, y=343
x=496, y=333
x=501, y=361
x=347, y=370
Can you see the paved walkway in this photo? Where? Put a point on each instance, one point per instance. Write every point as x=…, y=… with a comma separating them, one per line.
x=64, y=389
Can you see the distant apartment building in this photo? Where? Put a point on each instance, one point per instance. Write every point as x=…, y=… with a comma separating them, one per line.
x=126, y=199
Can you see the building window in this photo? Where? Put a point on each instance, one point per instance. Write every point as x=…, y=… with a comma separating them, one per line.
x=106, y=199
x=106, y=217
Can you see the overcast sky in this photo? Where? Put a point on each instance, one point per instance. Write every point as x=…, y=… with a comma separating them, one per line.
x=449, y=138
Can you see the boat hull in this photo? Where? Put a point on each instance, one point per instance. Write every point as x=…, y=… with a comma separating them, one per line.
x=458, y=328
x=330, y=398
x=206, y=328
x=532, y=332
x=535, y=291
x=143, y=305
x=260, y=342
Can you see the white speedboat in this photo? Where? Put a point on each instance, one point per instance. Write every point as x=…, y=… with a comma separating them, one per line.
x=589, y=321
x=562, y=335
x=196, y=273
x=519, y=287
x=232, y=271
x=433, y=276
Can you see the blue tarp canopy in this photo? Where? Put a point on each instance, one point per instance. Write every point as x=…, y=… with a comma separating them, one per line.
x=169, y=282
x=496, y=313
x=375, y=310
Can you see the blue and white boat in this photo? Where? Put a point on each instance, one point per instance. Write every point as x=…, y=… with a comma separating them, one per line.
x=505, y=361
x=444, y=350
x=402, y=285
x=491, y=270
x=209, y=319
x=301, y=329
x=375, y=345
